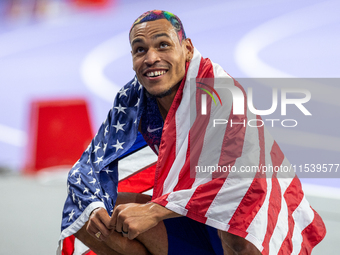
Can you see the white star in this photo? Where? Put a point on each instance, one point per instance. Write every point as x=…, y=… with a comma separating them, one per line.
x=118, y=126
x=137, y=102
x=80, y=206
x=74, y=172
x=108, y=171
x=93, y=181
x=71, y=215
x=122, y=92
x=97, y=191
x=96, y=148
x=91, y=172
x=68, y=188
x=120, y=109
x=140, y=86
x=135, y=122
x=73, y=197
x=99, y=159
x=89, y=159
x=78, y=180
x=104, y=148
x=106, y=131
x=118, y=145
x=86, y=190
x=107, y=196
x=134, y=81
x=93, y=197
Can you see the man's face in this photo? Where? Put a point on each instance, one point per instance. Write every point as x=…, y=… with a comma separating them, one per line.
x=158, y=57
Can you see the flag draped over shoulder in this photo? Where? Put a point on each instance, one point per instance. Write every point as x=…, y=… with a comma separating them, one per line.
x=93, y=180
x=268, y=209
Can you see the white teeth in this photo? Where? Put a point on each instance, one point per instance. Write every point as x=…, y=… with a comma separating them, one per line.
x=156, y=73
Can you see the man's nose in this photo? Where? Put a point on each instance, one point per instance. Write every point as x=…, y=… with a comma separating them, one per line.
x=151, y=57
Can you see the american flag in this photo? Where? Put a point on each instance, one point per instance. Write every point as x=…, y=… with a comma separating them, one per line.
x=93, y=180
x=268, y=209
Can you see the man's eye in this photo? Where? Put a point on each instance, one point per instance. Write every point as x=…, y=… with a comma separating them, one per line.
x=139, y=50
x=163, y=45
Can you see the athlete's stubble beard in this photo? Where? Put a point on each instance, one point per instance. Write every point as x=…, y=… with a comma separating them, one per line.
x=162, y=94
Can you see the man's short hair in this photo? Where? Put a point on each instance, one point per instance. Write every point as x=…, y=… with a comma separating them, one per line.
x=158, y=14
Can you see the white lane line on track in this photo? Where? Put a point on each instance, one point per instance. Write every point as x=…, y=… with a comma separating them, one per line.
x=93, y=66
x=290, y=24
x=12, y=136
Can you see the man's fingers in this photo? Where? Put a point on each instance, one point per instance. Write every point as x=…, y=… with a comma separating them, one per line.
x=113, y=220
x=96, y=225
x=119, y=224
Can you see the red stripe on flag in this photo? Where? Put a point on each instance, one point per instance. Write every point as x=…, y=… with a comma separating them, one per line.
x=233, y=139
x=161, y=200
x=293, y=196
x=186, y=176
x=232, y=146
x=255, y=196
x=202, y=198
x=274, y=206
x=312, y=234
x=68, y=245
x=167, y=148
x=139, y=181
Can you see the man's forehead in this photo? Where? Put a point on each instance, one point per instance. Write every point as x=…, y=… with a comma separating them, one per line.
x=160, y=26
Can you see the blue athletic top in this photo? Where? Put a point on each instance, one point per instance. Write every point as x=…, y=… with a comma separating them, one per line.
x=152, y=124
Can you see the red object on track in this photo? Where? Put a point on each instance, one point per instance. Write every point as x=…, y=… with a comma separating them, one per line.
x=59, y=132
x=91, y=3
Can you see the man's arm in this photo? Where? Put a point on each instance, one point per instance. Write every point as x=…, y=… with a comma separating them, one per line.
x=110, y=241
x=135, y=219
x=114, y=244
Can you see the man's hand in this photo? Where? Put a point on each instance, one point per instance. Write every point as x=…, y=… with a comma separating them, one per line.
x=99, y=221
x=135, y=219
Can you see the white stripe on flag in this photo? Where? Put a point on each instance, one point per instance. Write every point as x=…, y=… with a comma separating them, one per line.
x=172, y=178
x=135, y=162
x=211, y=149
x=303, y=216
x=281, y=228
x=182, y=128
x=236, y=185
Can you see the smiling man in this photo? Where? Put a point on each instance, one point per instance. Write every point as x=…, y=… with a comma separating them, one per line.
x=188, y=213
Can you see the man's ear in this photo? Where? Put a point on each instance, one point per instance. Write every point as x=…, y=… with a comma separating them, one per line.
x=189, y=49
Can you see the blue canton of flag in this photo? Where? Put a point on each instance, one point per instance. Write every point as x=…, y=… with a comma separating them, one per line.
x=93, y=180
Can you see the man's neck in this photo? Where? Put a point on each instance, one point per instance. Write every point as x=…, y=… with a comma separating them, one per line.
x=164, y=103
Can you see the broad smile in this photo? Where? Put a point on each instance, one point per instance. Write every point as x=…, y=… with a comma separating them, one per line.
x=151, y=74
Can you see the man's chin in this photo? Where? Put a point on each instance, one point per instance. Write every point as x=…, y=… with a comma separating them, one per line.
x=158, y=94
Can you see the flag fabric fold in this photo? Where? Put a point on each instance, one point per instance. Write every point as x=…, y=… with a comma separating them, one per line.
x=268, y=209
x=93, y=180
